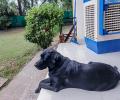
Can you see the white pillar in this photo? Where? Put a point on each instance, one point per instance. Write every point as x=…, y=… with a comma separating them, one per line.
x=80, y=17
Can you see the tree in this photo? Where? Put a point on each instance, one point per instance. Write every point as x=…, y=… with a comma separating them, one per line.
x=7, y=9
x=50, y=1
x=4, y=13
x=19, y=7
x=34, y=2
x=25, y=5
x=13, y=8
x=3, y=7
x=67, y=4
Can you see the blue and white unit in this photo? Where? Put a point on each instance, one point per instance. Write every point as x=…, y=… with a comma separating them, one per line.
x=102, y=25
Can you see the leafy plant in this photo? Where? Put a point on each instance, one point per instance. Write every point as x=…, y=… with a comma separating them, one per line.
x=41, y=22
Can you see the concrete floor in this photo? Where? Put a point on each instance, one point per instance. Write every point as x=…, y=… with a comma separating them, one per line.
x=81, y=54
x=23, y=86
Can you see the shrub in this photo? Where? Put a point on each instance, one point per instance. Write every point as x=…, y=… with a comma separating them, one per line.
x=40, y=24
x=4, y=22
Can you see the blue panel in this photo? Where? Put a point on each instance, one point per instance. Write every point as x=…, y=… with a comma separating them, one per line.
x=101, y=17
x=85, y=1
x=91, y=45
x=110, y=33
x=104, y=46
x=111, y=1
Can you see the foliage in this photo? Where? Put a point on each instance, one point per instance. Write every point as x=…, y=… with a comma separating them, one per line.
x=67, y=4
x=50, y=1
x=24, y=5
x=3, y=17
x=3, y=7
x=7, y=9
x=12, y=8
x=41, y=22
x=4, y=22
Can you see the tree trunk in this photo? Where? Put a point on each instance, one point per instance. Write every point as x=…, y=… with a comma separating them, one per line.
x=24, y=3
x=32, y=3
x=44, y=1
x=19, y=7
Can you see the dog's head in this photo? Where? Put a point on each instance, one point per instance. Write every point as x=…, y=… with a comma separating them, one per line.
x=49, y=58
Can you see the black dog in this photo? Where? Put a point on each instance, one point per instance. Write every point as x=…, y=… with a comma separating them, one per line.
x=66, y=73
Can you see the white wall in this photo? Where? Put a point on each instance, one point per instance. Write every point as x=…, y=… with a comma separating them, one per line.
x=80, y=17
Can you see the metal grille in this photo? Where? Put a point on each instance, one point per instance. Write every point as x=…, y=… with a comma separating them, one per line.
x=89, y=21
x=112, y=18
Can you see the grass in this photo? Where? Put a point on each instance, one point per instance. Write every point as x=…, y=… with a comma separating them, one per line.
x=15, y=51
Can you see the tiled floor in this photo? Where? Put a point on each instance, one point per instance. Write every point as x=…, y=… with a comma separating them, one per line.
x=81, y=54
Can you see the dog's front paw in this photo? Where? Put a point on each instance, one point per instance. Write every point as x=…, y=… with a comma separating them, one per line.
x=37, y=90
x=56, y=90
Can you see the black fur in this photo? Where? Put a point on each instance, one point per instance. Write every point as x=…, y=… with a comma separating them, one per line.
x=66, y=73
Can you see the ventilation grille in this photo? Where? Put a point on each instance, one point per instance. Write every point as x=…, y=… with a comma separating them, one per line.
x=89, y=21
x=112, y=18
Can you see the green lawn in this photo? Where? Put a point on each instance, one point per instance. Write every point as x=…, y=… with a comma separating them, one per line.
x=15, y=51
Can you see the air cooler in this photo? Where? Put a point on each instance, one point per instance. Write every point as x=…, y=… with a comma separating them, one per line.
x=102, y=25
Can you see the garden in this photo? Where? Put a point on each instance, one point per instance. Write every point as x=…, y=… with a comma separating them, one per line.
x=15, y=51
x=26, y=27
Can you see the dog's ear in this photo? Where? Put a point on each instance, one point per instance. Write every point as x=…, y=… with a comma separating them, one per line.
x=54, y=57
x=46, y=56
x=57, y=57
x=49, y=52
x=53, y=61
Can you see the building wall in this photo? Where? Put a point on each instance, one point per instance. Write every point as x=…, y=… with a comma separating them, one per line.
x=80, y=8
x=80, y=17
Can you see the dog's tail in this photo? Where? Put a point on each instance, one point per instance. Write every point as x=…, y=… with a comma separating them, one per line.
x=117, y=72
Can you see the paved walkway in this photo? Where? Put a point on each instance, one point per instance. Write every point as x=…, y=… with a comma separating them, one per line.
x=22, y=87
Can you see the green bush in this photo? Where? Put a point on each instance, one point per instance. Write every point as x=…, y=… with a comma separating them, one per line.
x=4, y=22
x=41, y=22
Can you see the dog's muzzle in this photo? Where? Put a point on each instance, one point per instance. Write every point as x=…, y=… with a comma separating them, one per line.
x=37, y=64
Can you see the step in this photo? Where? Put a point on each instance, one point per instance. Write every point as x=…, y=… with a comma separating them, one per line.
x=2, y=81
